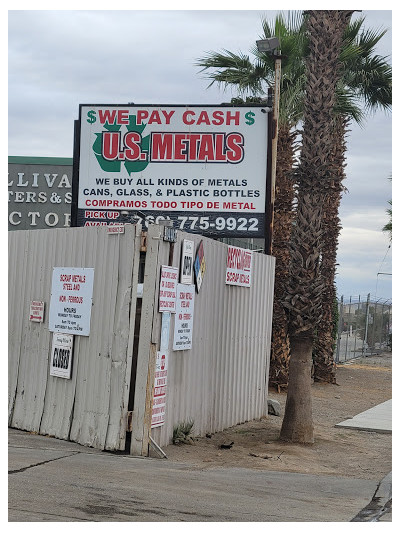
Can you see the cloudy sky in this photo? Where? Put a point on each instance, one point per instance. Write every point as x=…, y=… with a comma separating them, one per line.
x=60, y=59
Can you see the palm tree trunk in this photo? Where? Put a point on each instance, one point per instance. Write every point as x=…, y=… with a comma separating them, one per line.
x=283, y=220
x=304, y=291
x=324, y=362
x=297, y=425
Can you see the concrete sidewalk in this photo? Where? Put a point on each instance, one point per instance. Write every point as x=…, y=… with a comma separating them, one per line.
x=57, y=481
x=378, y=418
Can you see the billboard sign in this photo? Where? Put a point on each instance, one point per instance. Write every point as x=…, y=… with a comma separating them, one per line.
x=203, y=167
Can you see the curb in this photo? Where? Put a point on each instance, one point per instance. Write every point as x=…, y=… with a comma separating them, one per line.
x=380, y=504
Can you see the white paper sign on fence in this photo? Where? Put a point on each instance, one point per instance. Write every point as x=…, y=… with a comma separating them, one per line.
x=71, y=300
x=183, y=329
x=168, y=282
x=61, y=355
x=187, y=262
x=238, y=267
x=160, y=390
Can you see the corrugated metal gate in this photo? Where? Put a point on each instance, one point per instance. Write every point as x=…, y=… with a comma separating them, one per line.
x=220, y=382
x=90, y=408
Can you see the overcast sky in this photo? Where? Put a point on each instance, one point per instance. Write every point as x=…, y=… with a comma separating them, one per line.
x=60, y=59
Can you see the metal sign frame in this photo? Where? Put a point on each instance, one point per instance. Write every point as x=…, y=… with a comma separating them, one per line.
x=230, y=217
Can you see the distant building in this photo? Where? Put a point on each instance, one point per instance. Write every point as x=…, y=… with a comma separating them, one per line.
x=39, y=192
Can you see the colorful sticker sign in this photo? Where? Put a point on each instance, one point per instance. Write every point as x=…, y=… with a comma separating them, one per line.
x=203, y=167
x=199, y=267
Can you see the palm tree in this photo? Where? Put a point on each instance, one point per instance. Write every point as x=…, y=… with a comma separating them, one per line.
x=315, y=173
x=388, y=227
x=229, y=69
x=366, y=82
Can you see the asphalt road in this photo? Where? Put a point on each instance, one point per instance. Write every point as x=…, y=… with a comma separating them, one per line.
x=56, y=481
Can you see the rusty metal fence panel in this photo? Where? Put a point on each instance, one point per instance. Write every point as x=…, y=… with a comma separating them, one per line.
x=223, y=379
x=91, y=407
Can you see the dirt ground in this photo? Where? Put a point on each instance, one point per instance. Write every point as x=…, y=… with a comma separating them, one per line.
x=361, y=384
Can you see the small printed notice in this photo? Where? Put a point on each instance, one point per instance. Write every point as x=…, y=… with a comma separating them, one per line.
x=183, y=329
x=36, y=311
x=168, y=282
x=116, y=228
x=165, y=327
x=71, y=300
x=61, y=355
x=199, y=267
x=238, y=267
x=160, y=390
x=187, y=262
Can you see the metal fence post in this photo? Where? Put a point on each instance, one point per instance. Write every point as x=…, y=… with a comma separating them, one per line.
x=366, y=323
x=340, y=327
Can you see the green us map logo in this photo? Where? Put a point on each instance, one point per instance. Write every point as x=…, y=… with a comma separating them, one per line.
x=115, y=165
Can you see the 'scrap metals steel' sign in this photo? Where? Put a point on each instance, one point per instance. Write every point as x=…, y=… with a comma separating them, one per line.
x=71, y=300
x=203, y=167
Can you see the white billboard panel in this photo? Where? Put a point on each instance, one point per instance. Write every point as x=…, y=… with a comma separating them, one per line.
x=204, y=167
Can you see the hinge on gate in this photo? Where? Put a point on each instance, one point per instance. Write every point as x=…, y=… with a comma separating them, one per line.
x=129, y=422
x=143, y=242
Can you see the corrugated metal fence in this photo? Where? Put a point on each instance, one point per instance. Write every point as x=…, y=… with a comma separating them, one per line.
x=221, y=381
x=91, y=407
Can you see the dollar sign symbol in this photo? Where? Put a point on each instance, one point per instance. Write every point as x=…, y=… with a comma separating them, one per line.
x=250, y=120
x=91, y=117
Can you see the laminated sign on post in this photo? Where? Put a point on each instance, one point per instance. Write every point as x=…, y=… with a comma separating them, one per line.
x=184, y=317
x=168, y=281
x=238, y=267
x=160, y=390
x=202, y=167
x=71, y=300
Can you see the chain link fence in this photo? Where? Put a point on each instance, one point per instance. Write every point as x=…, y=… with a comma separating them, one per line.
x=364, y=327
